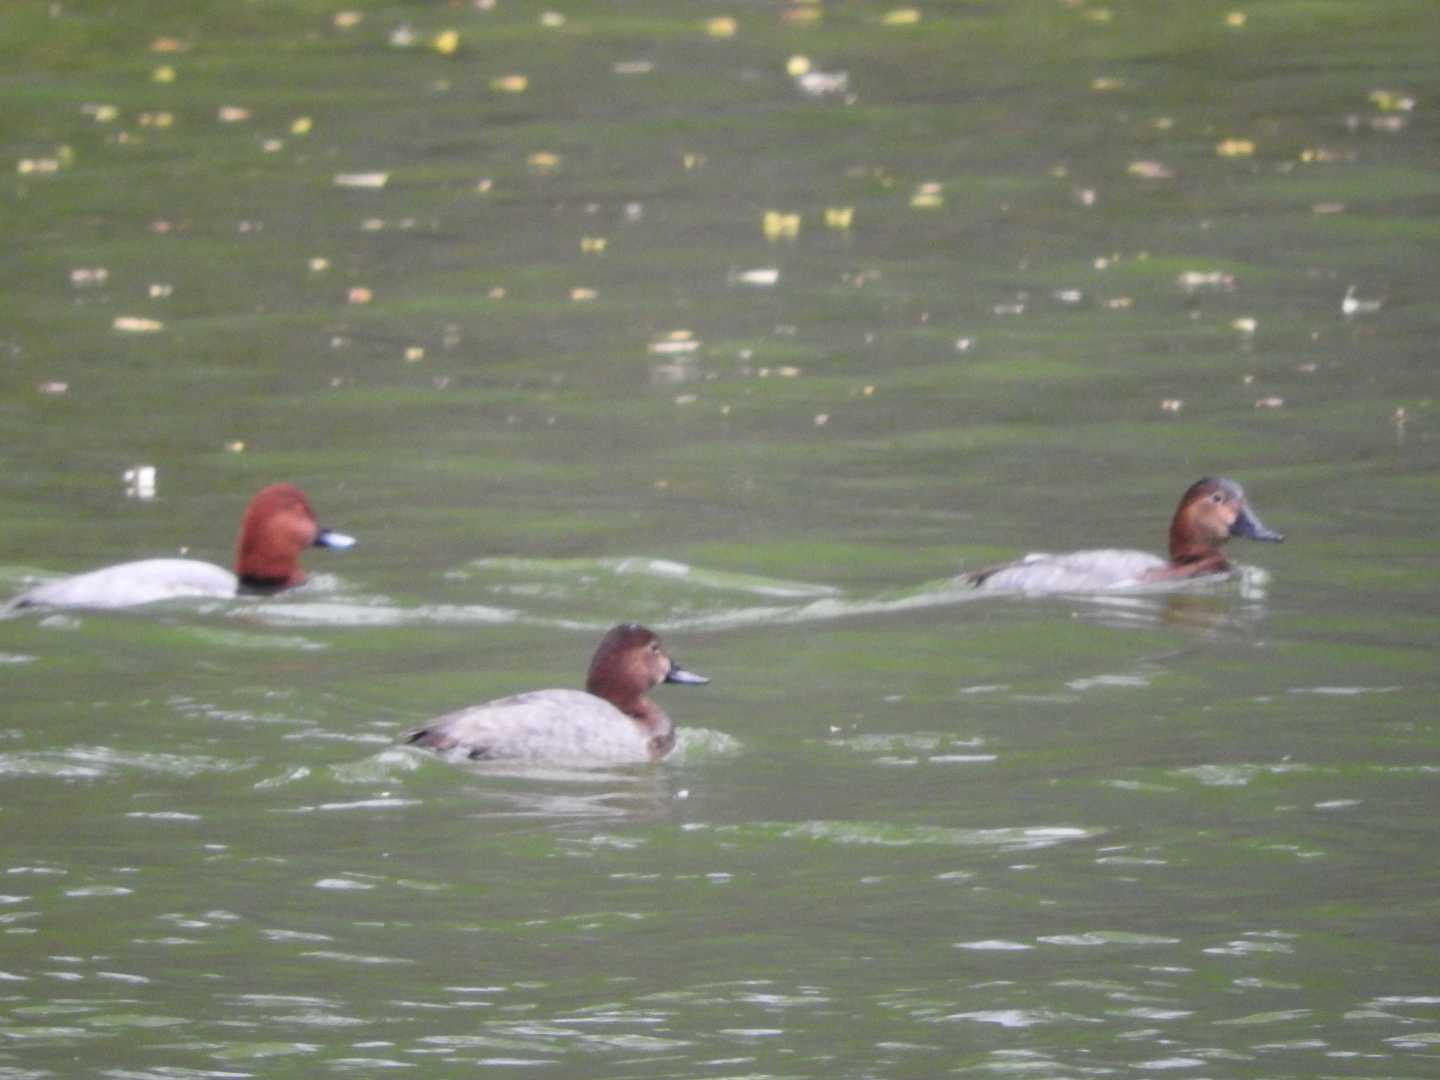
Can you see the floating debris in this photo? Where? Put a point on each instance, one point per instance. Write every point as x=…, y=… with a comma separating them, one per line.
x=1195, y=280
x=583, y=295
x=168, y=44
x=301, y=125
x=1392, y=101
x=1245, y=326
x=347, y=20
x=823, y=83
x=88, y=277
x=364, y=180
x=1328, y=208
x=906, y=16
x=675, y=343
x=160, y=291
x=1172, y=405
x=1068, y=296
x=592, y=245
x=1235, y=148
x=446, y=43
x=928, y=196
x=1235, y=19
x=158, y=120
x=1357, y=305
x=101, y=114
x=359, y=294
x=1150, y=170
x=414, y=354
x=403, y=36
x=53, y=388
x=164, y=74
x=552, y=19
x=780, y=226
x=139, y=482
x=235, y=446
x=721, y=26
x=797, y=66
x=762, y=277
x=1270, y=403
x=1106, y=84
x=510, y=84
x=839, y=217
x=821, y=419
x=543, y=162
x=233, y=114
x=633, y=67
x=135, y=324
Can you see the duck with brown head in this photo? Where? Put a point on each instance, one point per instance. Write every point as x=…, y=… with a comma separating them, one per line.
x=610, y=721
x=1211, y=511
x=277, y=526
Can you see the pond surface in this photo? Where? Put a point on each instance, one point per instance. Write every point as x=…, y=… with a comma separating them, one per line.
x=757, y=323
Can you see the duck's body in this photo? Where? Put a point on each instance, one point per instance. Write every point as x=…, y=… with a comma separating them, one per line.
x=278, y=524
x=609, y=722
x=1211, y=511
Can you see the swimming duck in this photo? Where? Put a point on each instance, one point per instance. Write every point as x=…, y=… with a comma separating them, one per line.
x=1211, y=511
x=277, y=526
x=610, y=721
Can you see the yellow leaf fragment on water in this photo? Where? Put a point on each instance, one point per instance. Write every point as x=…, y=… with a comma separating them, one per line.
x=1392, y=101
x=552, y=19
x=446, y=43
x=101, y=114
x=510, y=84
x=414, y=354
x=543, y=161
x=1245, y=325
x=592, y=245
x=163, y=74
x=692, y=161
x=582, y=294
x=135, y=324
x=1098, y=14
x=496, y=293
x=1172, y=405
x=233, y=114
x=167, y=44
x=1236, y=19
x=235, y=446
x=721, y=26
x=301, y=125
x=778, y=225
x=839, y=217
x=928, y=196
x=1150, y=170
x=346, y=20
x=160, y=290
x=1235, y=147
x=359, y=294
x=319, y=264
x=484, y=185
x=797, y=66
x=906, y=16
x=366, y=180
x=1103, y=84
x=1324, y=155
x=157, y=119
x=34, y=166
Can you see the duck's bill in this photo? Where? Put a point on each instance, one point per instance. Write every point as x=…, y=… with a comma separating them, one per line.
x=1252, y=528
x=684, y=675
x=329, y=538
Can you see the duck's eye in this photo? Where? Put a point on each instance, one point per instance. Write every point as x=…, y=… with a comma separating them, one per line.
x=1217, y=497
x=654, y=646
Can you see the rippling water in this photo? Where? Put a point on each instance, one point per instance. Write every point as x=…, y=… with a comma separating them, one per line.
x=1053, y=262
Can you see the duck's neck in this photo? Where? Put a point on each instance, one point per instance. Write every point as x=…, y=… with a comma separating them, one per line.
x=1194, y=563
